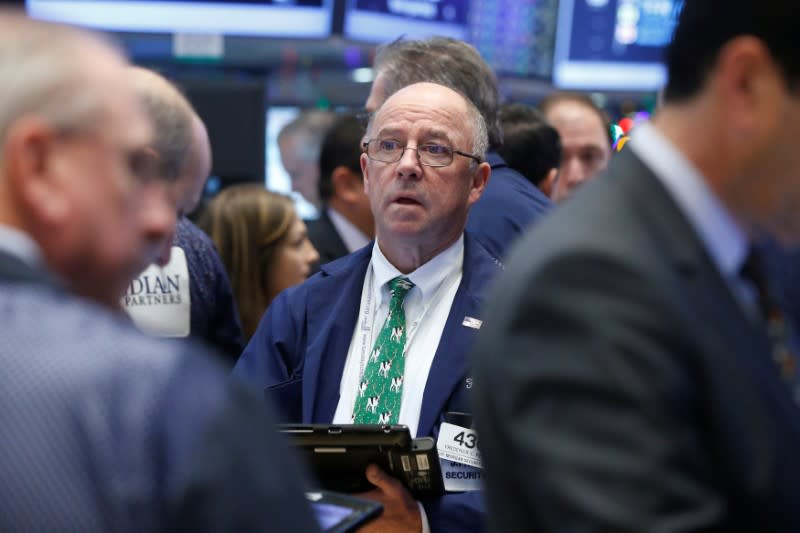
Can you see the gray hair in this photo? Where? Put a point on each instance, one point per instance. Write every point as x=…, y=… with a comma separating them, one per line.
x=449, y=62
x=41, y=68
x=480, y=136
x=171, y=115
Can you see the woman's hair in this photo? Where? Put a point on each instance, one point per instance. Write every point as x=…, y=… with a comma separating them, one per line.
x=248, y=224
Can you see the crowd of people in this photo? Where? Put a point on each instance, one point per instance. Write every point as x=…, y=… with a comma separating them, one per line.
x=613, y=331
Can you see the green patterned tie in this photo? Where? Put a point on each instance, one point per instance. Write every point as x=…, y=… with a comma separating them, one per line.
x=381, y=388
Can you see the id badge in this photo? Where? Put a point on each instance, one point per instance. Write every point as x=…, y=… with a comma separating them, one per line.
x=462, y=469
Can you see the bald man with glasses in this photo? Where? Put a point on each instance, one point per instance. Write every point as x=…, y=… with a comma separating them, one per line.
x=382, y=335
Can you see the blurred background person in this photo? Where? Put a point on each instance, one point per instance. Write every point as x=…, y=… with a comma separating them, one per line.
x=531, y=146
x=186, y=291
x=263, y=245
x=106, y=429
x=586, y=140
x=299, y=143
x=345, y=223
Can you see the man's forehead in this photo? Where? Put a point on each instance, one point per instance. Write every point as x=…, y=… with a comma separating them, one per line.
x=572, y=113
x=430, y=131
x=433, y=105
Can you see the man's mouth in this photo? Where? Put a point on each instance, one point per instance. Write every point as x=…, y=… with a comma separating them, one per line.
x=406, y=200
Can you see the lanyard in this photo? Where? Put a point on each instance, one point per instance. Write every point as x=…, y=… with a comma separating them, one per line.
x=369, y=312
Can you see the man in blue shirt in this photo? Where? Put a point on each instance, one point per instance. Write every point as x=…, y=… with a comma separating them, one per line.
x=104, y=429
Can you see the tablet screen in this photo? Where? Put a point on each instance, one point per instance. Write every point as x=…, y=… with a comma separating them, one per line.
x=339, y=513
x=329, y=515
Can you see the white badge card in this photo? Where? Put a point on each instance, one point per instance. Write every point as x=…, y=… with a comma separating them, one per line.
x=458, y=477
x=459, y=457
x=159, y=301
x=459, y=444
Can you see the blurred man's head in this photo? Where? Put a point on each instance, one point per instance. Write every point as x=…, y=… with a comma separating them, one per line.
x=299, y=143
x=531, y=146
x=585, y=139
x=733, y=104
x=75, y=174
x=449, y=62
x=180, y=146
x=341, y=185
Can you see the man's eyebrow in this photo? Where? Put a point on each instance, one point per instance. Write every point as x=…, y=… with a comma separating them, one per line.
x=436, y=133
x=390, y=132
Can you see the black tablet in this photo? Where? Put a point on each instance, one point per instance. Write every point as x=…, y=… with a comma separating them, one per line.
x=339, y=456
x=340, y=513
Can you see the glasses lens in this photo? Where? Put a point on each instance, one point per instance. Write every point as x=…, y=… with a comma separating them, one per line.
x=435, y=155
x=385, y=150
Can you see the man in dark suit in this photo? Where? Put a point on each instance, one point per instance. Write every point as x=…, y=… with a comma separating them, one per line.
x=345, y=223
x=105, y=429
x=313, y=351
x=510, y=203
x=626, y=381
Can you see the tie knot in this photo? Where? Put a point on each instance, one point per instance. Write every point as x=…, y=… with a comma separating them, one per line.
x=399, y=287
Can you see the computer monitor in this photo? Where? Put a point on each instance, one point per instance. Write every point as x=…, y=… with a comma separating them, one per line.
x=265, y=18
x=515, y=38
x=233, y=112
x=386, y=20
x=613, y=44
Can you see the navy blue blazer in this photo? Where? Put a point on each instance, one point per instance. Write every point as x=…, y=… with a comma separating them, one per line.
x=299, y=350
x=509, y=205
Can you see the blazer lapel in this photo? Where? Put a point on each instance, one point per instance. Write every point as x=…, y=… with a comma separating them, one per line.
x=709, y=301
x=332, y=314
x=450, y=365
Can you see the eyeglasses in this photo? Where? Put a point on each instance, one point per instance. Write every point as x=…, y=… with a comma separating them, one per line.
x=430, y=154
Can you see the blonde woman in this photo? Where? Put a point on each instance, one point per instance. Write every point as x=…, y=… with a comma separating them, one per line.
x=263, y=245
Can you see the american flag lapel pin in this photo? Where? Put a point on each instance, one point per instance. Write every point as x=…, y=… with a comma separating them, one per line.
x=472, y=322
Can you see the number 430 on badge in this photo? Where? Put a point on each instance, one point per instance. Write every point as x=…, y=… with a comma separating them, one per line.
x=459, y=444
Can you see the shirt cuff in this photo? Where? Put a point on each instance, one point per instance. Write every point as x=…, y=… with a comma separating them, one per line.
x=426, y=527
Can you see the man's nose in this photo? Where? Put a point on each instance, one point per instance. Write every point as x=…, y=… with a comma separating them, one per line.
x=409, y=165
x=573, y=172
x=157, y=219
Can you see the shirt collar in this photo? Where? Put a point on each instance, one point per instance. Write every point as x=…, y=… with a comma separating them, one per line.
x=19, y=244
x=353, y=238
x=427, y=278
x=723, y=238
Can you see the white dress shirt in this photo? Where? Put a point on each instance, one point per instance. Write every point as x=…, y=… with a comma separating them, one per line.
x=19, y=244
x=427, y=307
x=352, y=237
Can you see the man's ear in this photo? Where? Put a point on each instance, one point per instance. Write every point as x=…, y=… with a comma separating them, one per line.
x=365, y=172
x=347, y=184
x=548, y=184
x=480, y=177
x=749, y=84
x=32, y=166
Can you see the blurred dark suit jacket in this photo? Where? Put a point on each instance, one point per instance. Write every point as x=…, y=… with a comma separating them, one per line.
x=323, y=235
x=621, y=387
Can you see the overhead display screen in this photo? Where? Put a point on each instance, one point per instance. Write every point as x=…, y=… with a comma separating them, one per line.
x=515, y=38
x=613, y=44
x=382, y=21
x=267, y=18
